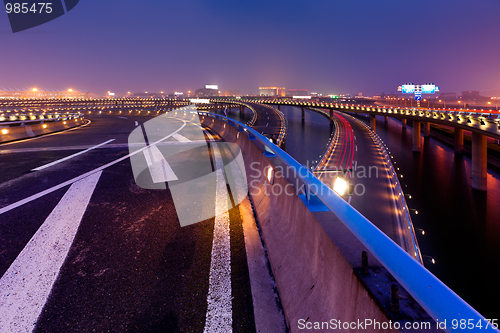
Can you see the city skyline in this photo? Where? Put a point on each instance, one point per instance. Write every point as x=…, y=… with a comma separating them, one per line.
x=330, y=48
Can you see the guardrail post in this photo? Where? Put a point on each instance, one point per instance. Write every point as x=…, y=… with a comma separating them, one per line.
x=459, y=140
x=394, y=298
x=364, y=263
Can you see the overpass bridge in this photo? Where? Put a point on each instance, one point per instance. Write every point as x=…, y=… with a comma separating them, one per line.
x=298, y=245
x=481, y=123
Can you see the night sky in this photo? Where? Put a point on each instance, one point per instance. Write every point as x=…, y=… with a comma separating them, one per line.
x=326, y=46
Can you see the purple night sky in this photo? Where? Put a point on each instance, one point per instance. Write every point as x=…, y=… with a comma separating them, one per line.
x=328, y=46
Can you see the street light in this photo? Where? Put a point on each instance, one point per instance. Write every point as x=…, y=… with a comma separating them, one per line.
x=421, y=230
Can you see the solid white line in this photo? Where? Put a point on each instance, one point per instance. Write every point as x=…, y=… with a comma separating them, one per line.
x=26, y=285
x=71, y=156
x=219, y=304
x=71, y=181
x=180, y=138
x=158, y=167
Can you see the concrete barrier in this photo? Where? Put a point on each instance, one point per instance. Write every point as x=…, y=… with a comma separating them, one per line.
x=315, y=282
x=13, y=133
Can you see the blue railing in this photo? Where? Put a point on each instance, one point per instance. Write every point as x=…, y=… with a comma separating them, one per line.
x=440, y=302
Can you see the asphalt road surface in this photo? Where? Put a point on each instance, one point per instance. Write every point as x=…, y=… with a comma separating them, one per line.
x=359, y=159
x=83, y=248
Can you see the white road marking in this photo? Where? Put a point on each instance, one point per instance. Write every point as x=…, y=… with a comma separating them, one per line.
x=267, y=124
x=136, y=123
x=158, y=167
x=219, y=304
x=71, y=156
x=349, y=200
x=355, y=137
x=26, y=285
x=71, y=181
x=180, y=138
x=356, y=148
x=355, y=165
x=122, y=117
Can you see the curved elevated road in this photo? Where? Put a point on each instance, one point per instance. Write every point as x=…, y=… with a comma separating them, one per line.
x=84, y=248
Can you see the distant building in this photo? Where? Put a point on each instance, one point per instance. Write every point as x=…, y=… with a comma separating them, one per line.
x=147, y=95
x=272, y=91
x=232, y=93
x=451, y=96
x=471, y=95
x=36, y=92
x=297, y=92
x=210, y=90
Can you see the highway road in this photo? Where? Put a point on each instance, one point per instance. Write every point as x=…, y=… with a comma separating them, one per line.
x=359, y=158
x=84, y=248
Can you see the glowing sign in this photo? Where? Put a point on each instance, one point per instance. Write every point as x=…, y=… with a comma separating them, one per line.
x=429, y=89
x=408, y=88
x=212, y=86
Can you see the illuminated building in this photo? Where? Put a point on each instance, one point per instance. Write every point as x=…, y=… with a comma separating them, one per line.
x=297, y=92
x=210, y=90
x=272, y=91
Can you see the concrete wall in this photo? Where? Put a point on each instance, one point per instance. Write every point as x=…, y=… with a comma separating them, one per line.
x=27, y=131
x=314, y=280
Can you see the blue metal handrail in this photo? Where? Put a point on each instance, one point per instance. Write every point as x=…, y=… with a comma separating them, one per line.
x=440, y=302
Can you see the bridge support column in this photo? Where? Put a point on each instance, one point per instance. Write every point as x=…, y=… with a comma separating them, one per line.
x=303, y=113
x=417, y=140
x=403, y=122
x=427, y=129
x=373, y=122
x=459, y=141
x=242, y=109
x=331, y=116
x=386, y=119
x=479, y=162
x=279, y=107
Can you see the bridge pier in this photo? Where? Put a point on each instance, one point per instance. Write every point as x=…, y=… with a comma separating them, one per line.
x=386, y=119
x=403, y=122
x=479, y=162
x=242, y=109
x=331, y=116
x=303, y=113
x=373, y=122
x=427, y=129
x=459, y=140
x=417, y=140
x=279, y=107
